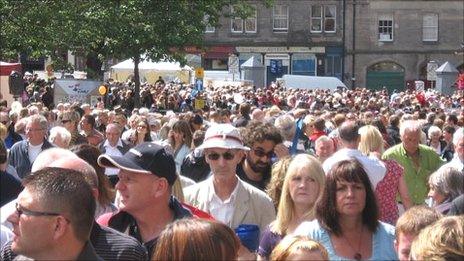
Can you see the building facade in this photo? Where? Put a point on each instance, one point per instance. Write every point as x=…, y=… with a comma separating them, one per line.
x=373, y=43
x=290, y=37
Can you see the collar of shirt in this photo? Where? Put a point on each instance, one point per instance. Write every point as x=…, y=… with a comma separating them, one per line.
x=214, y=197
x=107, y=144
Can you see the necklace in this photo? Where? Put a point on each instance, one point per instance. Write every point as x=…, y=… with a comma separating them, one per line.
x=357, y=255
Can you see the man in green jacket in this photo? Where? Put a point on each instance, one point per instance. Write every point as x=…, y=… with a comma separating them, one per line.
x=418, y=160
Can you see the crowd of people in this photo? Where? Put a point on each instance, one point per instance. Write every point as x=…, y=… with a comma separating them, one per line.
x=248, y=173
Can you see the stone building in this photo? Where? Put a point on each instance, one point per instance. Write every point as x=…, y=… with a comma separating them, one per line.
x=371, y=43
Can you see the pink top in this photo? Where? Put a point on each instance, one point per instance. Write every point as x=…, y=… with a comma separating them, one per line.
x=386, y=191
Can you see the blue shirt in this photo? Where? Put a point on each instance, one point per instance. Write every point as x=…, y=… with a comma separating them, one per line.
x=382, y=249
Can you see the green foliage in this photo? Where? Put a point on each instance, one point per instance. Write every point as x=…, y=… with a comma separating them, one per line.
x=158, y=29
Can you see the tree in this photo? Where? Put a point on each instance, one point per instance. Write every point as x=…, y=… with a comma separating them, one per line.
x=137, y=29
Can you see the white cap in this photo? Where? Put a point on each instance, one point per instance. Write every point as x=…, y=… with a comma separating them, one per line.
x=224, y=136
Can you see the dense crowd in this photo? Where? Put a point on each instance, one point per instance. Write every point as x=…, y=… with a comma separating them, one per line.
x=232, y=173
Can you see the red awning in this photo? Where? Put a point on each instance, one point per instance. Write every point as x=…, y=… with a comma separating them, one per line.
x=6, y=68
x=218, y=52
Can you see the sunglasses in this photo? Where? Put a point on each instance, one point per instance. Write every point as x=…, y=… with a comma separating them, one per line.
x=21, y=210
x=4, y=122
x=65, y=121
x=260, y=153
x=226, y=155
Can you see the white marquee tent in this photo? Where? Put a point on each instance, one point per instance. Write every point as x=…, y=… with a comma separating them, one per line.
x=150, y=71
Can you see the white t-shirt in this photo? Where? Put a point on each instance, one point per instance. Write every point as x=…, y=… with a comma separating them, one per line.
x=34, y=151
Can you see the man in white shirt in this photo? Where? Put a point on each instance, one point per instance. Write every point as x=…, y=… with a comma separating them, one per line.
x=349, y=138
x=23, y=153
x=227, y=198
x=113, y=145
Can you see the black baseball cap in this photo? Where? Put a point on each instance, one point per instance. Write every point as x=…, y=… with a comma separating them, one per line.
x=145, y=158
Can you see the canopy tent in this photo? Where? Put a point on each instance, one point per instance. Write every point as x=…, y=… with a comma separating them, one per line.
x=5, y=70
x=150, y=71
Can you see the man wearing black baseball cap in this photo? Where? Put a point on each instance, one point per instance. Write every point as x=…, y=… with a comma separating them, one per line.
x=147, y=173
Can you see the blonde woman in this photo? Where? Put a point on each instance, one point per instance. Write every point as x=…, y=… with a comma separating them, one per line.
x=302, y=186
x=371, y=144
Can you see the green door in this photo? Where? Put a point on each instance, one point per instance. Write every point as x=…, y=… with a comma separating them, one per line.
x=392, y=80
x=388, y=74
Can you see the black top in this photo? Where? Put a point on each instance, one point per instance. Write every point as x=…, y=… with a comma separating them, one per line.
x=457, y=206
x=258, y=184
x=10, y=187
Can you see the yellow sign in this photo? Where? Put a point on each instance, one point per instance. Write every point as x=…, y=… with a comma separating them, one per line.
x=199, y=73
x=102, y=90
x=199, y=104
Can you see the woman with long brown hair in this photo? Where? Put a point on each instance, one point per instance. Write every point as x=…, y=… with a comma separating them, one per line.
x=180, y=139
x=141, y=134
x=347, y=217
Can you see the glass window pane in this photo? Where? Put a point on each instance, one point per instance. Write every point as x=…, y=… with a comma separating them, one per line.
x=316, y=11
x=316, y=25
x=330, y=11
x=329, y=25
x=237, y=25
x=250, y=25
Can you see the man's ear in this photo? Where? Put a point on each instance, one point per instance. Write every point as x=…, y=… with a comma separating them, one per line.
x=160, y=187
x=61, y=227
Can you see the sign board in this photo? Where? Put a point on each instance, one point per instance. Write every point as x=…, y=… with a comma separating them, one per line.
x=432, y=66
x=280, y=49
x=420, y=85
x=71, y=90
x=199, y=104
x=199, y=73
x=233, y=64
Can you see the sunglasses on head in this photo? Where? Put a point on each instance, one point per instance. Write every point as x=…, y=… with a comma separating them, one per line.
x=260, y=153
x=226, y=155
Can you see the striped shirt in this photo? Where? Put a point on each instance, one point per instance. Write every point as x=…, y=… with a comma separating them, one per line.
x=108, y=243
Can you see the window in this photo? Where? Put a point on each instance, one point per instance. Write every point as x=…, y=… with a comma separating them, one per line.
x=237, y=25
x=280, y=22
x=247, y=25
x=316, y=19
x=329, y=18
x=208, y=27
x=430, y=28
x=323, y=18
x=386, y=28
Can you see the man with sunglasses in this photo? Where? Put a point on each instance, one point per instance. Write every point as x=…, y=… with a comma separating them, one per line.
x=224, y=195
x=265, y=143
x=108, y=243
x=53, y=218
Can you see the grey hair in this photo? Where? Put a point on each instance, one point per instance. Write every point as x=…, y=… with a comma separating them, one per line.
x=322, y=138
x=433, y=129
x=286, y=125
x=60, y=132
x=457, y=136
x=37, y=118
x=448, y=181
x=409, y=126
